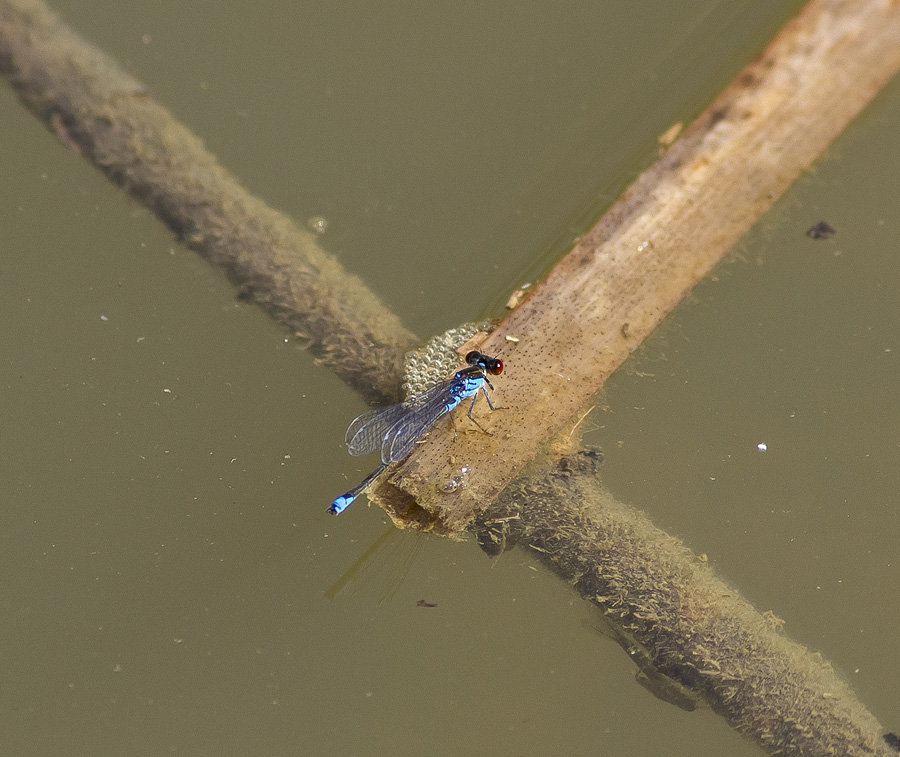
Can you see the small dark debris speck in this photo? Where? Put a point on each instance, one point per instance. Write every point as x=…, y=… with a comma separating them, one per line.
x=423, y=603
x=822, y=230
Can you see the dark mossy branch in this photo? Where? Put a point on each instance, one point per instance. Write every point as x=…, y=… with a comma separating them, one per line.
x=111, y=119
x=695, y=640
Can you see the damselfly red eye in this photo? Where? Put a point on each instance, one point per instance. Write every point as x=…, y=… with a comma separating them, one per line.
x=492, y=365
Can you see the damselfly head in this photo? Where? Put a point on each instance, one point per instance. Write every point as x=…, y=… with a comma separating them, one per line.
x=492, y=365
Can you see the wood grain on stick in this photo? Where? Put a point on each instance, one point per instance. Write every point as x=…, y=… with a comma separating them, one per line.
x=657, y=241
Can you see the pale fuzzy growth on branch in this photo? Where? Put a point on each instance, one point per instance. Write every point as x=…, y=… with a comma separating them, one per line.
x=693, y=637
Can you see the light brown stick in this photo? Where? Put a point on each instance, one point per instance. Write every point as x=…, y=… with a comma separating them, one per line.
x=664, y=234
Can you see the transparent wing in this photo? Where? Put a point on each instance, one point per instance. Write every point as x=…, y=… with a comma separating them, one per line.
x=366, y=433
x=403, y=435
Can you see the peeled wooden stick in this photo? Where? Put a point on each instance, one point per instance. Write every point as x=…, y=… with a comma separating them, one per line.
x=662, y=236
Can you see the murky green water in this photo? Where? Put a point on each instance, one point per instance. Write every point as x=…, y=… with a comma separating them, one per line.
x=167, y=456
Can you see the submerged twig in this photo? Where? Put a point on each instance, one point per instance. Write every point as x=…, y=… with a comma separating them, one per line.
x=694, y=638
x=98, y=110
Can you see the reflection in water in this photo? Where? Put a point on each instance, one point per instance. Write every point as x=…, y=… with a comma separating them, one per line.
x=382, y=566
